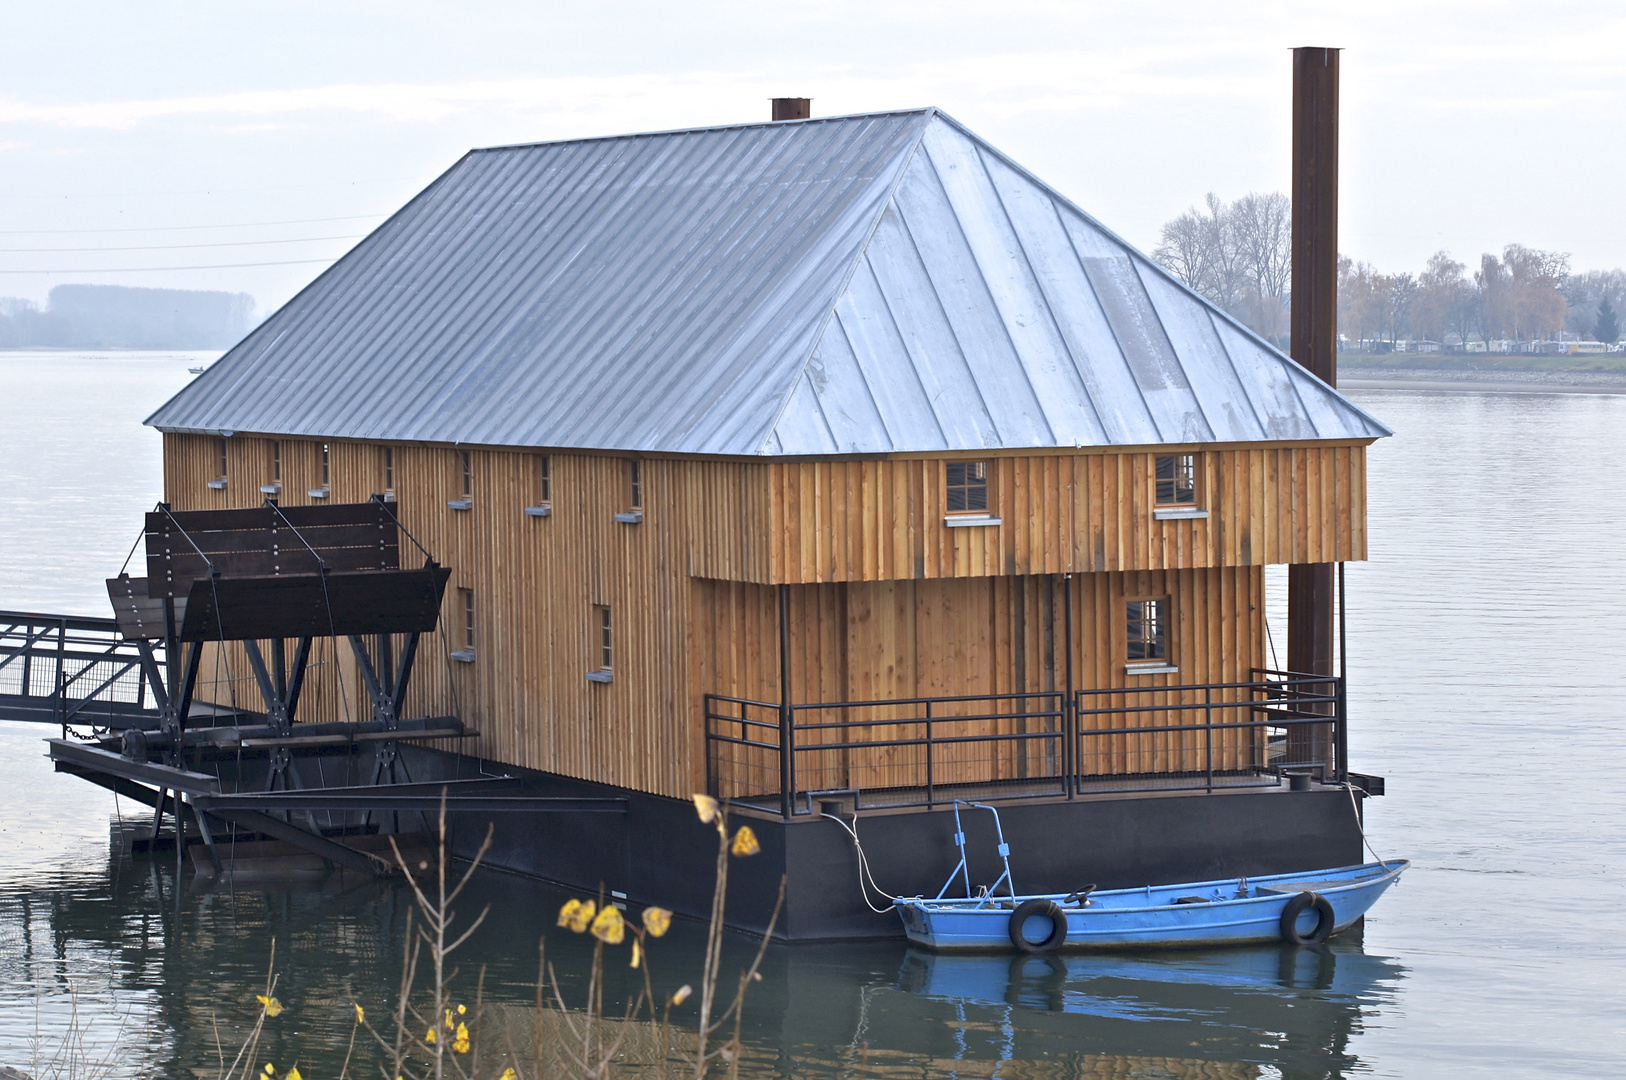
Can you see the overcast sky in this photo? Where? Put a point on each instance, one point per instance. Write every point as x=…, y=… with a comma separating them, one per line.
x=210, y=135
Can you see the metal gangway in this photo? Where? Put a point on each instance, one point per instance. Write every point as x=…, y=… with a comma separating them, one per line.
x=75, y=670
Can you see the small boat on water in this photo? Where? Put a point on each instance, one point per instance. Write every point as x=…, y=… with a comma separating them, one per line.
x=1301, y=908
x=197, y=370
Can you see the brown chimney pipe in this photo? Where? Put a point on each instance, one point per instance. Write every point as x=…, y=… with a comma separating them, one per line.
x=1314, y=344
x=792, y=108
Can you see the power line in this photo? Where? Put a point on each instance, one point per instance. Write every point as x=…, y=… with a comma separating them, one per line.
x=185, y=228
x=152, y=269
x=180, y=247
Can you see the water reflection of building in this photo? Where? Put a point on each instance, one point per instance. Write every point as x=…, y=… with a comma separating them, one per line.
x=827, y=1010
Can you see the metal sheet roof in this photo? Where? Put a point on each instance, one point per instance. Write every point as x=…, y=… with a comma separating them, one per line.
x=867, y=284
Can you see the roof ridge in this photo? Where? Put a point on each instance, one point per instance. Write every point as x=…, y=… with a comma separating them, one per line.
x=905, y=159
x=923, y=109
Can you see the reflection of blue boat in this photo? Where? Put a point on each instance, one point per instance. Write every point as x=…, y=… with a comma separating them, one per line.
x=1299, y=908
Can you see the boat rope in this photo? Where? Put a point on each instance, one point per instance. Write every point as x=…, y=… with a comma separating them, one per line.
x=1353, y=805
x=863, y=868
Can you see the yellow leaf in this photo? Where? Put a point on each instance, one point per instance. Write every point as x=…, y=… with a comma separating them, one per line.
x=461, y=1042
x=361, y=1017
x=610, y=927
x=448, y=1019
x=577, y=915
x=637, y=953
x=430, y=1036
x=657, y=920
x=682, y=994
x=293, y=1074
x=745, y=842
x=270, y=1069
x=461, y=1009
x=706, y=807
x=273, y=1007
x=508, y=1074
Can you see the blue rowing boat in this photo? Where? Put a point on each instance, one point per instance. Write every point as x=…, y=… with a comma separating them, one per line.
x=1301, y=908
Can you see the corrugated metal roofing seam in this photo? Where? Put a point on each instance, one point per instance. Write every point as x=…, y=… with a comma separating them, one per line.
x=708, y=291
x=829, y=318
x=1157, y=267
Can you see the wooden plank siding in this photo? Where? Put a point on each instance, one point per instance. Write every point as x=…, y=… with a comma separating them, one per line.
x=887, y=641
x=886, y=601
x=879, y=520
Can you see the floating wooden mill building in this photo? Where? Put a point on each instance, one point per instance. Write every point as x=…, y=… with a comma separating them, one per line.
x=836, y=467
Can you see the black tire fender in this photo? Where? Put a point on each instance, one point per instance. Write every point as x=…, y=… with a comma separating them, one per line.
x=1296, y=907
x=1038, y=906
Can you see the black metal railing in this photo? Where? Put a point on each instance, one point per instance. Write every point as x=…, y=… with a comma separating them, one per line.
x=925, y=751
x=900, y=752
x=63, y=669
x=1210, y=735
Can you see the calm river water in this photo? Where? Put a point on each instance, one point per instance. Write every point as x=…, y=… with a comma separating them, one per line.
x=1488, y=675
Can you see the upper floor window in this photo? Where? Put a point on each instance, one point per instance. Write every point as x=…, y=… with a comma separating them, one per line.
x=389, y=469
x=327, y=466
x=221, y=472
x=967, y=487
x=1177, y=480
x=466, y=460
x=468, y=618
x=635, y=484
x=276, y=462
x=544, y=481
x=1148, y=630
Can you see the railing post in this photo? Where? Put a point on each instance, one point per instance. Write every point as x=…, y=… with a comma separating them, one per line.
x=1208, y=732
x=1069, y=705
x=787, y=712
x=61, y=680
x=711, y=771
x=1342, y=729
x=28, y=659
x=929, y=772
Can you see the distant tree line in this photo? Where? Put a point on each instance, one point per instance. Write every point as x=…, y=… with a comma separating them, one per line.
x=1239, y=255
x=118, y=317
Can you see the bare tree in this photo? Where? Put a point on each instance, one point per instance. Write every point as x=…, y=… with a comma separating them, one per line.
x=1520, y=295
x=1237, y=255
x=1443, y=305
x=1584, y=296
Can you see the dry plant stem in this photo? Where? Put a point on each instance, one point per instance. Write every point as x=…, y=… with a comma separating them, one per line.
x=738, y=1005
x=437, y=918
x=714, y=943
x=246, y=1053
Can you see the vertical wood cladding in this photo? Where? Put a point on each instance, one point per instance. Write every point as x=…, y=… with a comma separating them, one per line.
x=886, y=601
x=875, y=520
x=891, y=640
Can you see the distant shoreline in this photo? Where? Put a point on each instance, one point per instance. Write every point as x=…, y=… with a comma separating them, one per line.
x=1354, y=377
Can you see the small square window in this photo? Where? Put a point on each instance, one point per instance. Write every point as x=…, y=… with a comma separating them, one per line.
x=1177, y=480
x=1148, y=630
x=967, y=487
x=544, y=480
